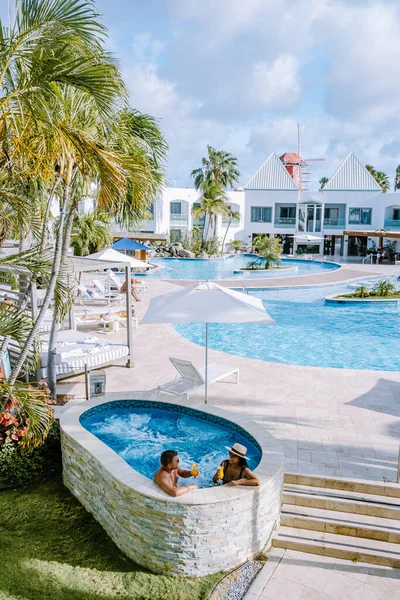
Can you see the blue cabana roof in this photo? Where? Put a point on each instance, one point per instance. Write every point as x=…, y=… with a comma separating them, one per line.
x=128, y=244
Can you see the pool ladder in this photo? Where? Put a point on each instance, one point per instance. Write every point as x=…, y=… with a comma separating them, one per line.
x=245, y=290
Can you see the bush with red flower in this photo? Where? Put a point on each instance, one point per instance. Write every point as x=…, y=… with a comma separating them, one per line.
x=26, y=414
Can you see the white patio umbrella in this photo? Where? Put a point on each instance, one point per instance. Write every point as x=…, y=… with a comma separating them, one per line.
x=206, y=303
x=306, y=238
x=114, y=255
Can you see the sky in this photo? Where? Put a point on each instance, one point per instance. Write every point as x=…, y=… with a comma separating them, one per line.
x=240, y=74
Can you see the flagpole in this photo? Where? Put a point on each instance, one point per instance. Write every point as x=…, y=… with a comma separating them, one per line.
x=206, y=369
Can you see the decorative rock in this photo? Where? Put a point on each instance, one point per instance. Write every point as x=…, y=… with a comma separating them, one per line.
x=185, y=253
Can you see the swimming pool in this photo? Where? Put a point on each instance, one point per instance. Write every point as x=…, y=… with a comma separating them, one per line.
x=310, y=332
x=223, y=268
x=140, y=434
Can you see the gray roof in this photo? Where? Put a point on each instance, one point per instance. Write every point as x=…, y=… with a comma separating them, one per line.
x=351, y=175
x=272, y=175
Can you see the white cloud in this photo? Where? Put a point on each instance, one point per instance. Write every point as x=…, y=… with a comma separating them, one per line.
x=276, y=84
x=239, y=75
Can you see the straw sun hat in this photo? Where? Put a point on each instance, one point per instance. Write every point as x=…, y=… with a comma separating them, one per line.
x=238, y=449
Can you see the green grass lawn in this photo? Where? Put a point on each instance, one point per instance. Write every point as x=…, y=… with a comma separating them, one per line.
x=51, y=548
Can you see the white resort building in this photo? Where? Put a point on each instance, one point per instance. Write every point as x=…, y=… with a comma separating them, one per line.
x=350, y=215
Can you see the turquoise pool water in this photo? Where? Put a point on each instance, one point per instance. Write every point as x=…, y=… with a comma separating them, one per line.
x=312, y=333
x=140, y=431
x=223, y=268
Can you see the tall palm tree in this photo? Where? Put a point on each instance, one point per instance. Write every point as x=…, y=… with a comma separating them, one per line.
x=380, y=177
x=383, y=180
x=219, y=168
x=212, y=203
x=397, y=179
x=322, y=183
x=231, y=214
x=90, y=232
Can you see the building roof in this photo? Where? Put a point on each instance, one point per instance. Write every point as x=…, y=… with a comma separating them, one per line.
x=291, y=158
x=272, y=175
x=351, y=175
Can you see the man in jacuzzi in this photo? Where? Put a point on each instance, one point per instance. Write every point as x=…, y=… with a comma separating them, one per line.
x=169, y=472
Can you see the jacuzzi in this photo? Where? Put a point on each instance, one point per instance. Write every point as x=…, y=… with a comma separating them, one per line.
x=202, y=532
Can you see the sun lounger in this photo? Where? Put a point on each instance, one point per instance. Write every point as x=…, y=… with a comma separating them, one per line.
x=189, y=378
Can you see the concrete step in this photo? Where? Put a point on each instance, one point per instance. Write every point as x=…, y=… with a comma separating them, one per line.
x=342, y=500
x=343, y=523
x=338, y=546
x=351, y=485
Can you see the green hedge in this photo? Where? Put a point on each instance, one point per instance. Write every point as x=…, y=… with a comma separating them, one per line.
x=22, y=468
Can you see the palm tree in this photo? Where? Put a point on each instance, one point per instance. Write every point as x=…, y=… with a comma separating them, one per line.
x=322, y=183
x=397, y=179
x=380, y=177
x=90, y=232
x=212, y=203
x=231, y=216
x=219, y=168
x=268, y=248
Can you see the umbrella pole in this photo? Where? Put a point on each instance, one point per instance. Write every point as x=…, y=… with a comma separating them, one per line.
x=206, y=369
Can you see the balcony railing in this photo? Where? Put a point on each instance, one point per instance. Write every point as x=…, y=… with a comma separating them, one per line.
x=199, y=222
x=334, y=223
x=233, y=223
x=285, y=221
x=179, y=219
x=392, y=224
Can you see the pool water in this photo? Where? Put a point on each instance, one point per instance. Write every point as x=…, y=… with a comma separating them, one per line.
x=140, y=435
x=223, y=268
x=310, y=332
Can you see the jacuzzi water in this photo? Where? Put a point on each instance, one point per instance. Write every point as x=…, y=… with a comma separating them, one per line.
x=310, y=332
x=223, y=268
x=140, y=434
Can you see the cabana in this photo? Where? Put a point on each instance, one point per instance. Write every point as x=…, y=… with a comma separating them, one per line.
x=95, y=355
x=128, y=244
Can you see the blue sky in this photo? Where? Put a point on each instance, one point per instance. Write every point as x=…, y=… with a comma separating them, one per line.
x=239, y=75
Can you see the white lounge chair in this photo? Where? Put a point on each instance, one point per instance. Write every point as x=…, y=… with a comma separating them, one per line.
x=89, y=295
x=189, y=378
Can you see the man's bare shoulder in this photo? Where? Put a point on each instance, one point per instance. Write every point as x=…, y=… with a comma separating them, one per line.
x=160, y=475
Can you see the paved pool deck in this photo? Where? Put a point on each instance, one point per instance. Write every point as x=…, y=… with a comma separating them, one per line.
x=334, y=422
x=297, y=576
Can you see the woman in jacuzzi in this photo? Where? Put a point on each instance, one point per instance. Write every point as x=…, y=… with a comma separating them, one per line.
x=235, y=470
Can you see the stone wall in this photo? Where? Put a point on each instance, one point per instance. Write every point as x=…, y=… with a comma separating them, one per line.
x=202, y=532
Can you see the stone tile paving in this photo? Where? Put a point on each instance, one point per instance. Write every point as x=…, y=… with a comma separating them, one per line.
x=333, y=422
x=297, y=576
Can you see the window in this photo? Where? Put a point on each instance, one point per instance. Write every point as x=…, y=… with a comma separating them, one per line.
x=175, y=208
x=360, y=216
x=151, y=209
x=261, y=214
x=331, y=213
x=288, y=212
x=396, y=214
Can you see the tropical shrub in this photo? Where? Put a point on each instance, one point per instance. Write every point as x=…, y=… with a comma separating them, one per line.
x=192, y=241
x=361, y=292
x=211, y=246
x=236, y=245
x=26, y=415
x=269, y=248
x=253, y=265
x=22, y=468
x=384, y=288
x=18, y=468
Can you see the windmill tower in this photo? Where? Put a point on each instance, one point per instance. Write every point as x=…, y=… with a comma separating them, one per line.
x=298, y=167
